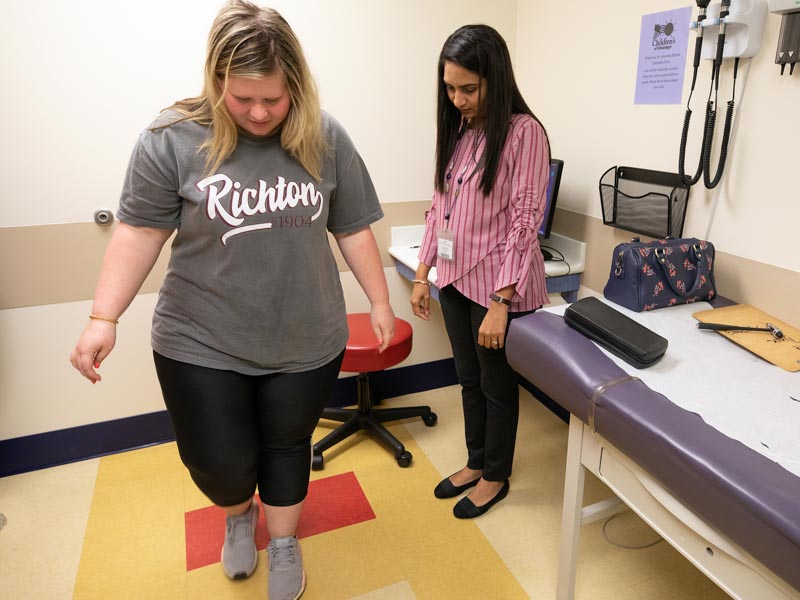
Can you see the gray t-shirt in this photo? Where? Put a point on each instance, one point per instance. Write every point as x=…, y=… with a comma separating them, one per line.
x=252, y=284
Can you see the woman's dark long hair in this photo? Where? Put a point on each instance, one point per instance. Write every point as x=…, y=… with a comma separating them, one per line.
x=480, y=49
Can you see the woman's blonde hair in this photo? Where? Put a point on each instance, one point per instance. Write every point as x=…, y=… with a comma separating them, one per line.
x=248, y=41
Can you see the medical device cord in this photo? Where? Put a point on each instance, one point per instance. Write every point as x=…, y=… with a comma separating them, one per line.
x=626, y=546
x=559, y=259
x=706, y=146
x=685, y=135
x=718, y=191
x=698, y=46
x=708, y=137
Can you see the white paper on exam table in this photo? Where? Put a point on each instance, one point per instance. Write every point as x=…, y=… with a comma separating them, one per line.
x=734, y=391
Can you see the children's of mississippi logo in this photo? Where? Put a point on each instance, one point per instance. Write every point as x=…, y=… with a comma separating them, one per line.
x=663, y=36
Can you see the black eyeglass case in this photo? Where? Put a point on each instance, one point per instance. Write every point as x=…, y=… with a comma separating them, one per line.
x=622, y=336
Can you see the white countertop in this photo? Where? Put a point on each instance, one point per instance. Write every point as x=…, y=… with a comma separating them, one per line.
x=406, y=241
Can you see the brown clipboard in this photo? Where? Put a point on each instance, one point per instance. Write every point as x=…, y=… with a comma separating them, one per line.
x=784, y=353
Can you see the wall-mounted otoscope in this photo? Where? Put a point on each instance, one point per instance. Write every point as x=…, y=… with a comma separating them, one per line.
x=708, y=137
x=702, y=5
x=738, y=26
x=724, y=11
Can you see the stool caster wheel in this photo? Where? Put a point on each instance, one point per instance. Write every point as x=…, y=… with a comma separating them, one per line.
x=317, y=463
x=404, y=460
x=430, y=420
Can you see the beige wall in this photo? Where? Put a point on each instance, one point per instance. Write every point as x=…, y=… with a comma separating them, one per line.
x=75, y=108
x=50, y=264
x=579, y=73
x=42, y=316
x=40, y=392
x=576, y=64
x=75, y=105
x=740, y=279
x=68, y=131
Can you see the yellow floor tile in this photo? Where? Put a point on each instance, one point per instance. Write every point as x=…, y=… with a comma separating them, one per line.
x=40, y=546
x=368, y=563
x=118, y=529
x=398, y=591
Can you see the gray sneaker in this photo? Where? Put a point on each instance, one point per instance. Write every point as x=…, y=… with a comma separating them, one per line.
x=239, y=554
x=287, y=580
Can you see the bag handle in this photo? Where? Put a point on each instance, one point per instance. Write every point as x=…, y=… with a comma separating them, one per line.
x=619, y=263
x=702, y=269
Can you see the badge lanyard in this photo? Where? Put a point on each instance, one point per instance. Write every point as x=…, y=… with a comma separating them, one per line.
x=445, y=236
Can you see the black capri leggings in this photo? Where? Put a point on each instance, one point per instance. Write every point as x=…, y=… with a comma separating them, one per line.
x=237, y=432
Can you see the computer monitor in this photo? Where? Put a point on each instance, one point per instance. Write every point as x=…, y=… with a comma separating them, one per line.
x=556, y=166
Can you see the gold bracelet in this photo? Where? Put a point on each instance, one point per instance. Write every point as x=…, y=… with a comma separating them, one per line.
x=102, y=318
x=428, y=283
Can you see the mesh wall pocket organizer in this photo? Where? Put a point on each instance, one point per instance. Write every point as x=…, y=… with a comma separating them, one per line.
x=649, y=202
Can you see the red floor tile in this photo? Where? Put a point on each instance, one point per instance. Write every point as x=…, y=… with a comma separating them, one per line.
x=332, y=502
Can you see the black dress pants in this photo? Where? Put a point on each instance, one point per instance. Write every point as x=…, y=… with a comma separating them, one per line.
x=489, y=387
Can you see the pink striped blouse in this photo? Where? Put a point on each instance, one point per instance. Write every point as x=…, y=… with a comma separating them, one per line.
x=495, y=236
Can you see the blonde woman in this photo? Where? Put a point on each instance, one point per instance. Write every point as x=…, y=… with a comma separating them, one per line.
x=250, y=326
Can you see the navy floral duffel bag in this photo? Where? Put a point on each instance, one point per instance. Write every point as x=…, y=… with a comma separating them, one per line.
x=648, y=275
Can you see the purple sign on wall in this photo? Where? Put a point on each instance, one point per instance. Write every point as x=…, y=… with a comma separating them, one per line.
x=662, y=56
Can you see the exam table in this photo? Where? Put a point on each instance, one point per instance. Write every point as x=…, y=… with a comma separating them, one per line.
x=732, y=511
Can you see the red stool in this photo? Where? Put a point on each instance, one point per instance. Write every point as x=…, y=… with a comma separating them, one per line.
x=361, y=356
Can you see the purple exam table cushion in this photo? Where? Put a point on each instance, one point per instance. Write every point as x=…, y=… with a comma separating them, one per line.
x=749, y=498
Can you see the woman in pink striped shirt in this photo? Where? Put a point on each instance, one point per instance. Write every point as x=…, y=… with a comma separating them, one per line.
x=492, y=167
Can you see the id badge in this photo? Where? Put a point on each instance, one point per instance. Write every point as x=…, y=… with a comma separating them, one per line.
x=445, y=244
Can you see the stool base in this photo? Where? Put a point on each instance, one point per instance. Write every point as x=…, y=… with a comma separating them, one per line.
x=369, y=419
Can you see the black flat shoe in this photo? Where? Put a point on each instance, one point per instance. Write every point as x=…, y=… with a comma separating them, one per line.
x=446, y=489
x=465, y=509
